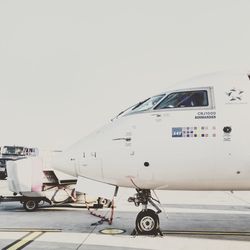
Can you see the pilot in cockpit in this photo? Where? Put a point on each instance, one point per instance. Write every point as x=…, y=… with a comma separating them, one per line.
x=190, y=99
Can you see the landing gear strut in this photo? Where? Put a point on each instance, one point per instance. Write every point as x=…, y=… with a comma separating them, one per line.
x=147, y=221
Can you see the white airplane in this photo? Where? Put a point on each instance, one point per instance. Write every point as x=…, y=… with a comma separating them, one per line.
x=194, y=136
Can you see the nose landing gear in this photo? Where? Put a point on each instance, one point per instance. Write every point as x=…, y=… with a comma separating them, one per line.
x=147, y=221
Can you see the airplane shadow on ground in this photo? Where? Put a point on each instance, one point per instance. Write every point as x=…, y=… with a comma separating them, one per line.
x=181, y=223
x=208, y=207
x=196, y=217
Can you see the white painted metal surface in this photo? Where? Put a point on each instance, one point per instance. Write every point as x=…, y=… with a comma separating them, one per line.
x=211, y=160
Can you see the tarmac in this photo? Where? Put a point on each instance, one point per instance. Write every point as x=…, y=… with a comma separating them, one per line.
x=190, y=221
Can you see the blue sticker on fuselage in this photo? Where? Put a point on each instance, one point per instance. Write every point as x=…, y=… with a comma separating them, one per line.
x=176, y=132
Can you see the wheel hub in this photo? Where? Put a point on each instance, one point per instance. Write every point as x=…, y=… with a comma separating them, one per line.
x=147, y=223
x=31, y=204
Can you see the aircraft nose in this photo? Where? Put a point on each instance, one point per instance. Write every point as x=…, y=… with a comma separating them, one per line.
x=82, y=158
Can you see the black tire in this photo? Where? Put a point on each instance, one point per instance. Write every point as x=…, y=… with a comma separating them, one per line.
x=30, y=205
x=3, y=176
x=147, y=222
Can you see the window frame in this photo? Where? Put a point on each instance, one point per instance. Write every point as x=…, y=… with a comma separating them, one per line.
x=210, y=99
x=210, y=96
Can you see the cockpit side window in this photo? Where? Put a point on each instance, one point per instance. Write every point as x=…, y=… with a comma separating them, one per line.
x=147, y=104
x=184, y=99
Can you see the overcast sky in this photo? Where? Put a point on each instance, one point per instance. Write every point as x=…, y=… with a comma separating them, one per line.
x=68, y=67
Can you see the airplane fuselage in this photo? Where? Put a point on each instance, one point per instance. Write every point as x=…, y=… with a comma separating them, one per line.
x=184, y=147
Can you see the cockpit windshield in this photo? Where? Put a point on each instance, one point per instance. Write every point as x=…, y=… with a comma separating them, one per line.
x=147, y=104
x=180, y=99
x=142, y=106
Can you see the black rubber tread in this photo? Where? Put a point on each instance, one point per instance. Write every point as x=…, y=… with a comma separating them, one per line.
x=30, y=209
x=151, y=213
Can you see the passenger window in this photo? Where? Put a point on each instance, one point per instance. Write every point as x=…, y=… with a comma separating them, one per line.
x=198, y=98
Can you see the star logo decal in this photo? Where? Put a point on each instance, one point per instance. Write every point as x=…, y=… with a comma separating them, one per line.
x=235, y=94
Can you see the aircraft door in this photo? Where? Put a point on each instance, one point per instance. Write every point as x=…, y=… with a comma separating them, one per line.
x=148, y=131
